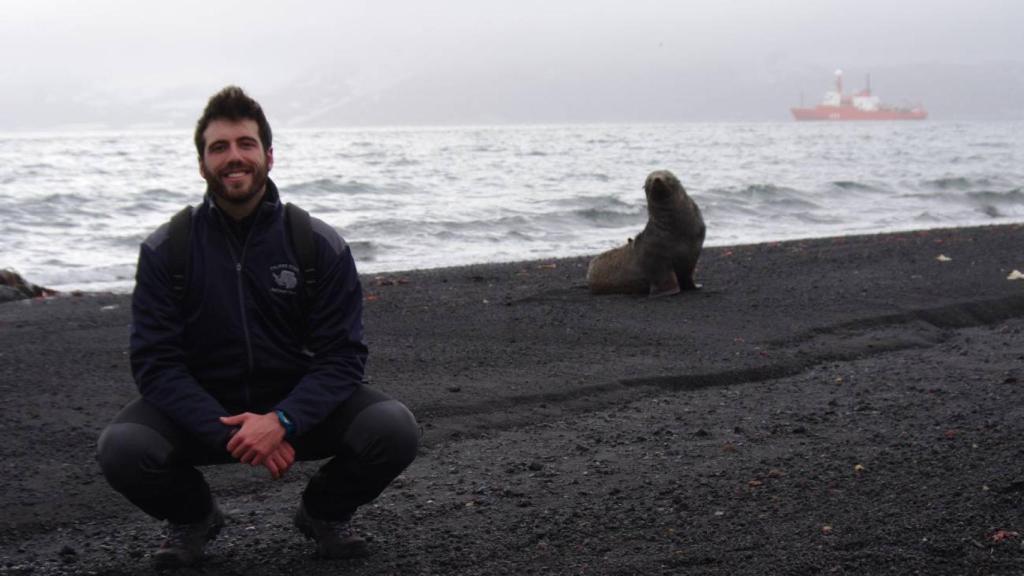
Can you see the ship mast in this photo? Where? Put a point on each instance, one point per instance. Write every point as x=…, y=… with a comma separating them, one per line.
x=839, y=82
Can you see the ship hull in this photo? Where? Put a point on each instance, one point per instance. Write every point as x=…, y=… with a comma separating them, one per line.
x=844, y=113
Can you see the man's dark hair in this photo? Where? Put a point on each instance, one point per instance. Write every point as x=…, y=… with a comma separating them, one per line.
x=233, y=104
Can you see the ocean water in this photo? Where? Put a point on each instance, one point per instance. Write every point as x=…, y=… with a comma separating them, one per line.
x=76, y=206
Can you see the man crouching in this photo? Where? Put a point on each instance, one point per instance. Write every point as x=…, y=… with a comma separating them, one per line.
x=244, y=353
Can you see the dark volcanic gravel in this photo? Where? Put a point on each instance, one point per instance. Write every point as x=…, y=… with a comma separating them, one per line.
x=835, y=406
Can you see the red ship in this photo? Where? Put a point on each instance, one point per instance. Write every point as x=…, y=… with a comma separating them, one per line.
x=860, y=106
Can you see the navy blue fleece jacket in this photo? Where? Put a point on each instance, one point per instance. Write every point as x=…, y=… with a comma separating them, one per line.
x=243, y=339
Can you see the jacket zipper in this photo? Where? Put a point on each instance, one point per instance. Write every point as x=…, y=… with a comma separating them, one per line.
x=241, y=304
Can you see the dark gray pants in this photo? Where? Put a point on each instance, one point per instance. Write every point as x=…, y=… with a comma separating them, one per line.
x=152, y=461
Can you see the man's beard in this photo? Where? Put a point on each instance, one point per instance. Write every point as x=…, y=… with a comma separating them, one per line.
x=215, y=186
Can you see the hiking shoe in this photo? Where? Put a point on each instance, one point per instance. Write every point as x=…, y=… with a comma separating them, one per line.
x=185, y=542
x=333, y=539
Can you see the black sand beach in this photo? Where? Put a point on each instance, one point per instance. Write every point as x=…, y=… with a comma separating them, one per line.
x=834, y=406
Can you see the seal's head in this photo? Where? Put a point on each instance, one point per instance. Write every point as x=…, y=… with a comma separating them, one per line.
x=663, y=189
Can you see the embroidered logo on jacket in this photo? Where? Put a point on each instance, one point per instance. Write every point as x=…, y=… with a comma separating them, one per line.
x=285, y=277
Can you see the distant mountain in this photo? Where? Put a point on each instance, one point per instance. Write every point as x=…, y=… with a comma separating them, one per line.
x=722, y=93
x=649, y=93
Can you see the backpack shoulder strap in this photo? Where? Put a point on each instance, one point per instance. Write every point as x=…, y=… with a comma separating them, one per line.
x=179, y=237
x=300, y=230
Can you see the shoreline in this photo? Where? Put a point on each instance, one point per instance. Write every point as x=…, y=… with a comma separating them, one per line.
x=846, y=404
x=527, y=262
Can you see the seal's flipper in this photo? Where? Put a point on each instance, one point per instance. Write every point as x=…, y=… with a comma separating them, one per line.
x=665, y=285
x=689, y=284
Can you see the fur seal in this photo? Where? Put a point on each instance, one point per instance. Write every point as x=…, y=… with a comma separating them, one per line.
x=661, y=260
x=14, y=287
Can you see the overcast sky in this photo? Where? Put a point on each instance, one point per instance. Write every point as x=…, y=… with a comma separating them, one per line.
x=84, y=55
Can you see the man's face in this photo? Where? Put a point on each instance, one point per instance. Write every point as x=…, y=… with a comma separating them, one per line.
x=234, y=165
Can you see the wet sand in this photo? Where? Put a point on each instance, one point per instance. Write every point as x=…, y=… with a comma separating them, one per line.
x=833, y=406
